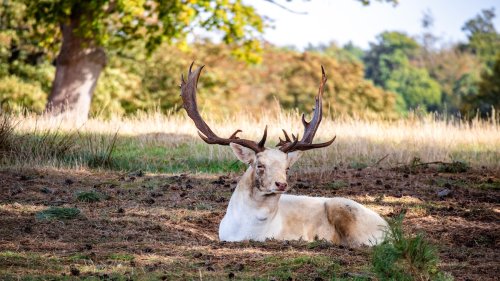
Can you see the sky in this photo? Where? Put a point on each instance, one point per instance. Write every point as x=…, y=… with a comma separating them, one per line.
x=348, y=20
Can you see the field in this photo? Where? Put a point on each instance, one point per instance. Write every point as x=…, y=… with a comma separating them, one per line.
x=141, y=198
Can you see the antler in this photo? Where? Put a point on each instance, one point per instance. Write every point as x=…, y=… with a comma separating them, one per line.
x=310, y=128
x=188, y=94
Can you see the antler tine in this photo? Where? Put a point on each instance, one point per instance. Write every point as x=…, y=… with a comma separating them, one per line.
x=262, y=141
x=188, y=94
x=191, y=66
x=286, y=135
x=234, y=135
x=310, y=127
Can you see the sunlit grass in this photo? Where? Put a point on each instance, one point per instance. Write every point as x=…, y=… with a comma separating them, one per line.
x=169, y=143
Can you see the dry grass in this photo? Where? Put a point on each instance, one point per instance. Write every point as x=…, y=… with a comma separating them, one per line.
x=359, y=143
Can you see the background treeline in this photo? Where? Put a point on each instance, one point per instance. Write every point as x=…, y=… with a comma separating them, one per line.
x=397, y=74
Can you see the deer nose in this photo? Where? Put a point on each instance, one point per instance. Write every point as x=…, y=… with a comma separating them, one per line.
x=281, y=185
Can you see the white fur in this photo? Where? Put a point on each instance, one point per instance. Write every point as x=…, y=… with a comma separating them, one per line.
x=260, y=213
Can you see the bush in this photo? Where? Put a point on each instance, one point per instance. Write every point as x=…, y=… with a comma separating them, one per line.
x=16, y=95
x=403, y=257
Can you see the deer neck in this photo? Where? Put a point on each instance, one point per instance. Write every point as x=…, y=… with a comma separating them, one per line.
x=248, y=194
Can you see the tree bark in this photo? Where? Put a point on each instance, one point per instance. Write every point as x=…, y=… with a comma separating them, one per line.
x=78, y=66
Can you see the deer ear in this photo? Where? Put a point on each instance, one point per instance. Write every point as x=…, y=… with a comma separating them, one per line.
x=293, y=157
x=245, y=155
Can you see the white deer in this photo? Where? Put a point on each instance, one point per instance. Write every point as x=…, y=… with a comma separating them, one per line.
x=259, y=209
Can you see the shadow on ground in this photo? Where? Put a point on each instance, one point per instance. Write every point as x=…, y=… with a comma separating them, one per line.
x=165, y=226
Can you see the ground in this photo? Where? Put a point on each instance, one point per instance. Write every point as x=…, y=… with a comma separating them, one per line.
x=164, y=226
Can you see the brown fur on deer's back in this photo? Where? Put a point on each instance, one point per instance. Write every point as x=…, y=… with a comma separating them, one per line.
x=343, y=219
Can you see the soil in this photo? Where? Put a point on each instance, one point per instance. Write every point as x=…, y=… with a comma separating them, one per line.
x=166, y=225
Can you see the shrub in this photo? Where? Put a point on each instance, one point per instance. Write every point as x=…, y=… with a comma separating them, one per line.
x=16, y=95
x=403, y=257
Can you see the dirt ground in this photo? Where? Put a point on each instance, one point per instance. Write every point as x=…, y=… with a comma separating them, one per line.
x=165, y=226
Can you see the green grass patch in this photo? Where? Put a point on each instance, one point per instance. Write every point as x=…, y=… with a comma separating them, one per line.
x=403, y=257
x=58, y=213
x=87, y=277
x=320, y=244
x=89, y=196
x=453, y=167
x=131, y=156
x=300, y=268
x=78, y=257
x=336, y=184
x=444, y=182
x=108, y=151
x=489, y=185
x=121, y=257
x=27, y=260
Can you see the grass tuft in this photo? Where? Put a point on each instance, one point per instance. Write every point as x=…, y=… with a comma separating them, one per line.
x=89, y=196
x=402, y=257
x=58, y=213
x=454, y=167
x=121, y=257
x=358, y=165
x=6, y=134
x=337, y=184
x=300, y=268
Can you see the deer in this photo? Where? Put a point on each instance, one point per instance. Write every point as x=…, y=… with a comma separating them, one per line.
x=259, y=209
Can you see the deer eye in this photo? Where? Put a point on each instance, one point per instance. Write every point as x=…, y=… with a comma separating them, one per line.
x=261, y=167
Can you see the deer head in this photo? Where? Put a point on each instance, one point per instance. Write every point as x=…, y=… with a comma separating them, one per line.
x=269, y=166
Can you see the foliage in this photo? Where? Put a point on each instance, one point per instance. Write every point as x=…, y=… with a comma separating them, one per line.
x=15, y=95
x=457, y=72
x=58, y=213
x=401, y=257
x=367, y=2
x=116, y=24
x=416, y=87
x=448, y=79
x=391, y=51
x=388, y=65
x=484, y=40
x=488, y=96
x=229, y=85
x=348, y=53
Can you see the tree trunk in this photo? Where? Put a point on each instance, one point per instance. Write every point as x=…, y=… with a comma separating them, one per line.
x=78, y=67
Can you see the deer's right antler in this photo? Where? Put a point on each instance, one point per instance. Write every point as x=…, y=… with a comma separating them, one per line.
x=310, y=127
x=188, y=94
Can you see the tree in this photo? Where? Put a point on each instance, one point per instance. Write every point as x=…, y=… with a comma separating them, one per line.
x=388, y=64
x=348, y=53
x=484, y=40
x=416, y=87
x=391, y=51
x=85, y=30
x=488, y=96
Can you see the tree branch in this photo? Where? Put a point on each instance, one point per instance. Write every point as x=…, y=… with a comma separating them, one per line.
x=285, y=7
